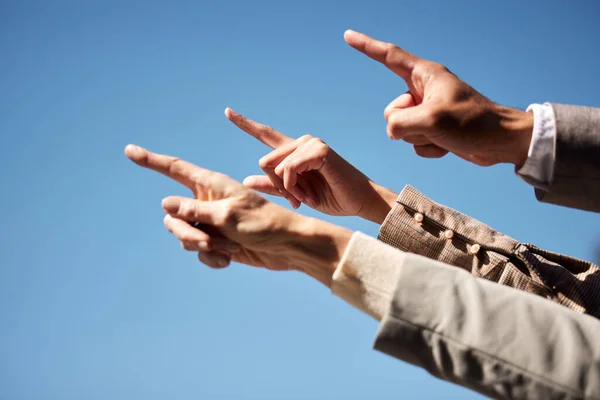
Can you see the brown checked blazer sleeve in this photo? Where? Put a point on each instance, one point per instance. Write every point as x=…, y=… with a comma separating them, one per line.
x=576, y=177
x=418, y=225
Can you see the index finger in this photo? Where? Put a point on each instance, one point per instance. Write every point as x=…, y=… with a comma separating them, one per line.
x=173, y=167
x=399, y=61
x=263, y=133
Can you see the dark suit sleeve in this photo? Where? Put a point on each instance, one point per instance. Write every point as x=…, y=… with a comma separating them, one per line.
x=576, y=179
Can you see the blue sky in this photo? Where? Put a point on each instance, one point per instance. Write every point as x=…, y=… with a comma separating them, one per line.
x=98, y=301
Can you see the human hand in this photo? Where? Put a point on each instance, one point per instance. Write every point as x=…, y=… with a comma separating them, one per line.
x=308, y=170
x=258, y=232
x=441, y=114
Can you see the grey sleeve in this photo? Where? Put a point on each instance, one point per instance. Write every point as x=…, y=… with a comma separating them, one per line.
x=494, y=339
x=576, y=179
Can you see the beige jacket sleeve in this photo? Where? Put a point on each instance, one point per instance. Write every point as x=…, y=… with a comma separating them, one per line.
x=419, y=225
x=499, y=341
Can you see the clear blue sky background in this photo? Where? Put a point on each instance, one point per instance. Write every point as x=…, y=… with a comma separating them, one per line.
x=98, y=301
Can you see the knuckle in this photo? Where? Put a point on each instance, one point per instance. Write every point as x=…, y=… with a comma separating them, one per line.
x=444, y=69
x=263, y=163
x=201, y=177
x=305, y=138
x=392, y=133
x=430, y=118
x=317, y=141
x=187, y=209
x=323, y=148
x=176, y=165
x=395, y=120
x=393, y=53
x=289, y=165
x=228, y=215
x=437, y=68
x=185, y=237
x=387, y=112
x=427, y=69
x=391, y=47
x=278, y=175
x=441, y=119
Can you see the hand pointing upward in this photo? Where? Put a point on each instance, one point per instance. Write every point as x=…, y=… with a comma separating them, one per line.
x=440, y=113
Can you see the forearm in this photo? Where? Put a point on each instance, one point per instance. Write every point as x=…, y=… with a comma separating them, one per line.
x=381, y=204
x=517, y=126
x=316, y=247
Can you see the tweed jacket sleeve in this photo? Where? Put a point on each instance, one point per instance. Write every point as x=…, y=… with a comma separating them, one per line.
x=418, y=225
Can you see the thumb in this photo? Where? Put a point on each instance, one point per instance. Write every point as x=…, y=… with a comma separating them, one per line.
x=192, y=210
x=405, y=100
x=411, y=121
x=397, y=60
x=263, y=184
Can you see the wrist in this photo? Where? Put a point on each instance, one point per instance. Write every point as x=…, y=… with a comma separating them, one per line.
x=518, y=126
x=381, y=204
x=316, y=247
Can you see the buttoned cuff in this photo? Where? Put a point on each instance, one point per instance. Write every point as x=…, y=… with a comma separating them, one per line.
x=416, y=224
x=539, y=166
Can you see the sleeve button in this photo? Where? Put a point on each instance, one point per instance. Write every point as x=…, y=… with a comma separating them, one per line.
x=474, y=249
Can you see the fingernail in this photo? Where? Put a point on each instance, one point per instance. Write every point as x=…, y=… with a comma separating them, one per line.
x=131, y=150
x=203, y=245
x=264, y=164
x=170, y=204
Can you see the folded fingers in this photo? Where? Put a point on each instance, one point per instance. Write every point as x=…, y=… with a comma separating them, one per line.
x=198, y=238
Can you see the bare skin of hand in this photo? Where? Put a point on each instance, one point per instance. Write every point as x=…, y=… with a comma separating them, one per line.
x=310, y=171
x=440, y=113
x=236, y=223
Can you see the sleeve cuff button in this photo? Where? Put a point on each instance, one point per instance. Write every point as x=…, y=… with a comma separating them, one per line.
x=474, y=249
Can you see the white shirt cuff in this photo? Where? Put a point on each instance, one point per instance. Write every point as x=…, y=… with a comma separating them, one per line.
x=539, y=166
